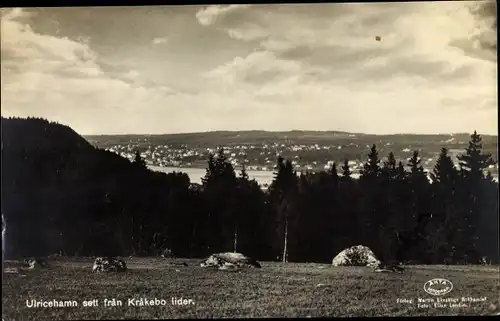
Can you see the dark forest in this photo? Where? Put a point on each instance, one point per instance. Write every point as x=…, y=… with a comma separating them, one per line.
x=62, y=195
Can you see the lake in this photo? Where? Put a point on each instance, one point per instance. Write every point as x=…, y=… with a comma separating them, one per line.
x=262, y=177
x=195, y=174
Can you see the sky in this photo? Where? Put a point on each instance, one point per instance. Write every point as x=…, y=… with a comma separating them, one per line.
x=177, y=69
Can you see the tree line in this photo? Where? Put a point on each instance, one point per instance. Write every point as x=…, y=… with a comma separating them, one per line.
x=64, y=196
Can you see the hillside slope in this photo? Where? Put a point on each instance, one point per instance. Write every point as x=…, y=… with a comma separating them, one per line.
x=57, y=189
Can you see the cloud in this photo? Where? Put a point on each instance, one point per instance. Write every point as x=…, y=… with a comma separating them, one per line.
x=302, y=60
x=62, y=79
x=277, y=67
x=417, y=39
x=159, y=41
x=256, y=68
x=212, y=14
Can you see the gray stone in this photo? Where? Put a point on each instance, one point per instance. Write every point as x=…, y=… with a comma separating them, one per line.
x=358, y=255
x=109, y=264
x=237, y=259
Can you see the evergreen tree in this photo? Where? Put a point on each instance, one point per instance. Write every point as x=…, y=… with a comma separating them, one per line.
x=389, y=170
x=220, y=195
x=473, y=162
x=333, y=171
x=346, y=172
x=444, y=172
x=373, y=204
x=244, y=174
x=446, y=225
x=416, y=170
x=371, y=169
x=401, y=173
x=210, y=170
x=389, y=215
x=139, y=160
x=224, y=167
x=334, y=176
x=283, y=192
x=415, y=198
x=249, y=202
x=419, y=184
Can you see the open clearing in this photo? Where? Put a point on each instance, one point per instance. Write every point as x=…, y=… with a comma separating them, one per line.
x=276, y=290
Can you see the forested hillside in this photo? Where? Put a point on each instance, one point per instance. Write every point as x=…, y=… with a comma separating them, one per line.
x=62, y=195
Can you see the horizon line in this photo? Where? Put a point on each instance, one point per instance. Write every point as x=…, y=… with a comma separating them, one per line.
x=293, y=130
x=253, y=130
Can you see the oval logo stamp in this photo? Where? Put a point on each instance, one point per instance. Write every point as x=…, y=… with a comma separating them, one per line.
x=438, y=286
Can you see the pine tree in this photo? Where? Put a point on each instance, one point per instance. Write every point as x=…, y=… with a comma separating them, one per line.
x=391, y=161
x=419, y=184
x=473, y=162
x=447, y=218
x=387, y=204
x=283, y=193
x=373, y=203
x=389, y=170
x=444, y=171
x=139, y=160
x=243, y=185
x=334, y=175
x=220, y=197
x=210, y=170
x=371, y=169
x=346, y=172
x=416, y=170
x=401, y=173
x=417, y=204
x=243, y=173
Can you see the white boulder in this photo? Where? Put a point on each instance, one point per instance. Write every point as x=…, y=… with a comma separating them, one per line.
x=358, y=255
x=226, y=259
x=167, y=254
x=109, y=264
x=35, y=263
x=228, y=267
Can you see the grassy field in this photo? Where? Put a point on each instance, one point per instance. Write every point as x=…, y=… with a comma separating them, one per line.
x=276, y=290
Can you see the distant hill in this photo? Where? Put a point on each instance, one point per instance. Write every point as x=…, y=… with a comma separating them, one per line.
x=358, y=143
x=295, y=136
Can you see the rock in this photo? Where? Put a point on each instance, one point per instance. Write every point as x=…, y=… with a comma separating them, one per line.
x=356, y=256
x=35, y=263
x=228, y=267
x=237, y=259
x=485, y=261
x=389, y=268
x=167, y=254
x=109, y=264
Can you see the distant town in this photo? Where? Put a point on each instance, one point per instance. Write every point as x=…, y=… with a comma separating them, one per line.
x=262, y=157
